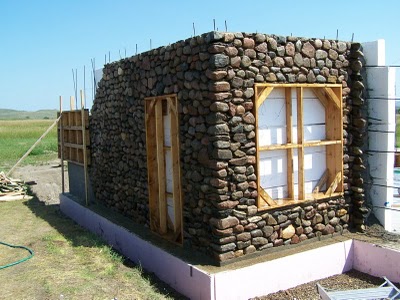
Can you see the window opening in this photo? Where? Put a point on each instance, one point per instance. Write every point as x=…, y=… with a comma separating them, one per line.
x=299, y=143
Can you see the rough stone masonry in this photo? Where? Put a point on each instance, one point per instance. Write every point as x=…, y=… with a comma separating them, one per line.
x=213, y=76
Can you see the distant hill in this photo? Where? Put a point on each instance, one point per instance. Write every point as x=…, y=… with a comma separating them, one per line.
x=10, y=114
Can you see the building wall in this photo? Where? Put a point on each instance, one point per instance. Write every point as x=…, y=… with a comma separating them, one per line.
x=213, y=76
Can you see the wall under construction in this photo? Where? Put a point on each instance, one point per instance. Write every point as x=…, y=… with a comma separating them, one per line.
x=247, y=183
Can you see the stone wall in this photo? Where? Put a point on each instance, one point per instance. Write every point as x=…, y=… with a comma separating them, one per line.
x=214, y=76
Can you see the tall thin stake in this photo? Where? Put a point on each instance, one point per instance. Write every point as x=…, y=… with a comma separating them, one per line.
x=214, y=23
x=84, y=147
x=62, y=149
x=76, y=88
x=194, y=30
x=84, y=81
x=71, y=103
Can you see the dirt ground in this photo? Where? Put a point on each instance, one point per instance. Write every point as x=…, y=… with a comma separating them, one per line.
x=44, y=180
x=47, y=187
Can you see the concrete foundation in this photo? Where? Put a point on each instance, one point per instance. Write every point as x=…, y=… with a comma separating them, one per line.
x=239, y=282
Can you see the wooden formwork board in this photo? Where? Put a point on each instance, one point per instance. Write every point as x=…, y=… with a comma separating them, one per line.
x=297, y=146
x=75, y=136
x=163, y=166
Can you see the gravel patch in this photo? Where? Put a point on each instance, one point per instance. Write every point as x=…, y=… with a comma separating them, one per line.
x=346, y=281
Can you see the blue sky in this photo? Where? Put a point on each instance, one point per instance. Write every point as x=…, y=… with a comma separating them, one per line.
x=42, y=41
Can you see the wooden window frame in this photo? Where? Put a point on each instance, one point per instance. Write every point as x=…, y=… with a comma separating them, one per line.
x=155, y=109
x=330, y=96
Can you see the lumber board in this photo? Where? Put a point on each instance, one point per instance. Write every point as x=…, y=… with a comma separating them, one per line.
x=173, y=114
x=15, y=198
x=162, y=203
x=172, y=105
x=152, y=169
x=300, y=141
x=334, y=184
x=289, y=151
x=332, y=96
x=320, y=93
x=322, y=143
x=263, y=96
x=84, y=143
x=150, y=108
x=321, y=182
x=278, y=147
x=297, y=85
x=266, y=197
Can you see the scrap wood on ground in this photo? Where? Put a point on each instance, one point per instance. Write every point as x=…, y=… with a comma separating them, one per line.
x=12, y=189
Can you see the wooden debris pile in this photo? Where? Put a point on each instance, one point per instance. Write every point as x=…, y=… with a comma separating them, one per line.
x=11, y=189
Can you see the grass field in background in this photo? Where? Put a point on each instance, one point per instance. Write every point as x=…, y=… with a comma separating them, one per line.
x=17, y=136
x=11, y=114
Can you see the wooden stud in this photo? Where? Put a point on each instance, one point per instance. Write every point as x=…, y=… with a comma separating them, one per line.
x=320, y=93
x=175, y=164
x=296, y=85
x=332, y=96
x=162, y=203
x=300, y=141
x=322, y=143
x=149, y=112
x=321, y=182
x=257, y=154
x=263, y=95
x=289, y=151
x=172, y=105
x=152, y=169
x=72, y=103
x=278, y=147
x=84, y=147
x=266, y=197
x=334, y=184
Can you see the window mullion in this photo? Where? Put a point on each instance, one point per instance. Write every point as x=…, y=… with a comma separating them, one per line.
x=300, y=141
x=289, y=152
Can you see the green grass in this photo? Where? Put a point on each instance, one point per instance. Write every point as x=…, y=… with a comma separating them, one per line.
x=17, y=136
x=68, y=260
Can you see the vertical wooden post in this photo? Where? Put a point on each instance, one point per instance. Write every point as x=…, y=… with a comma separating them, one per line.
x=300, y=141
x=84, y=147
x=255, y=113
x=152, y=170
x=174, y=133
x=62, y=148
x=162, y=203
x=289, y=151
x=71, y=103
